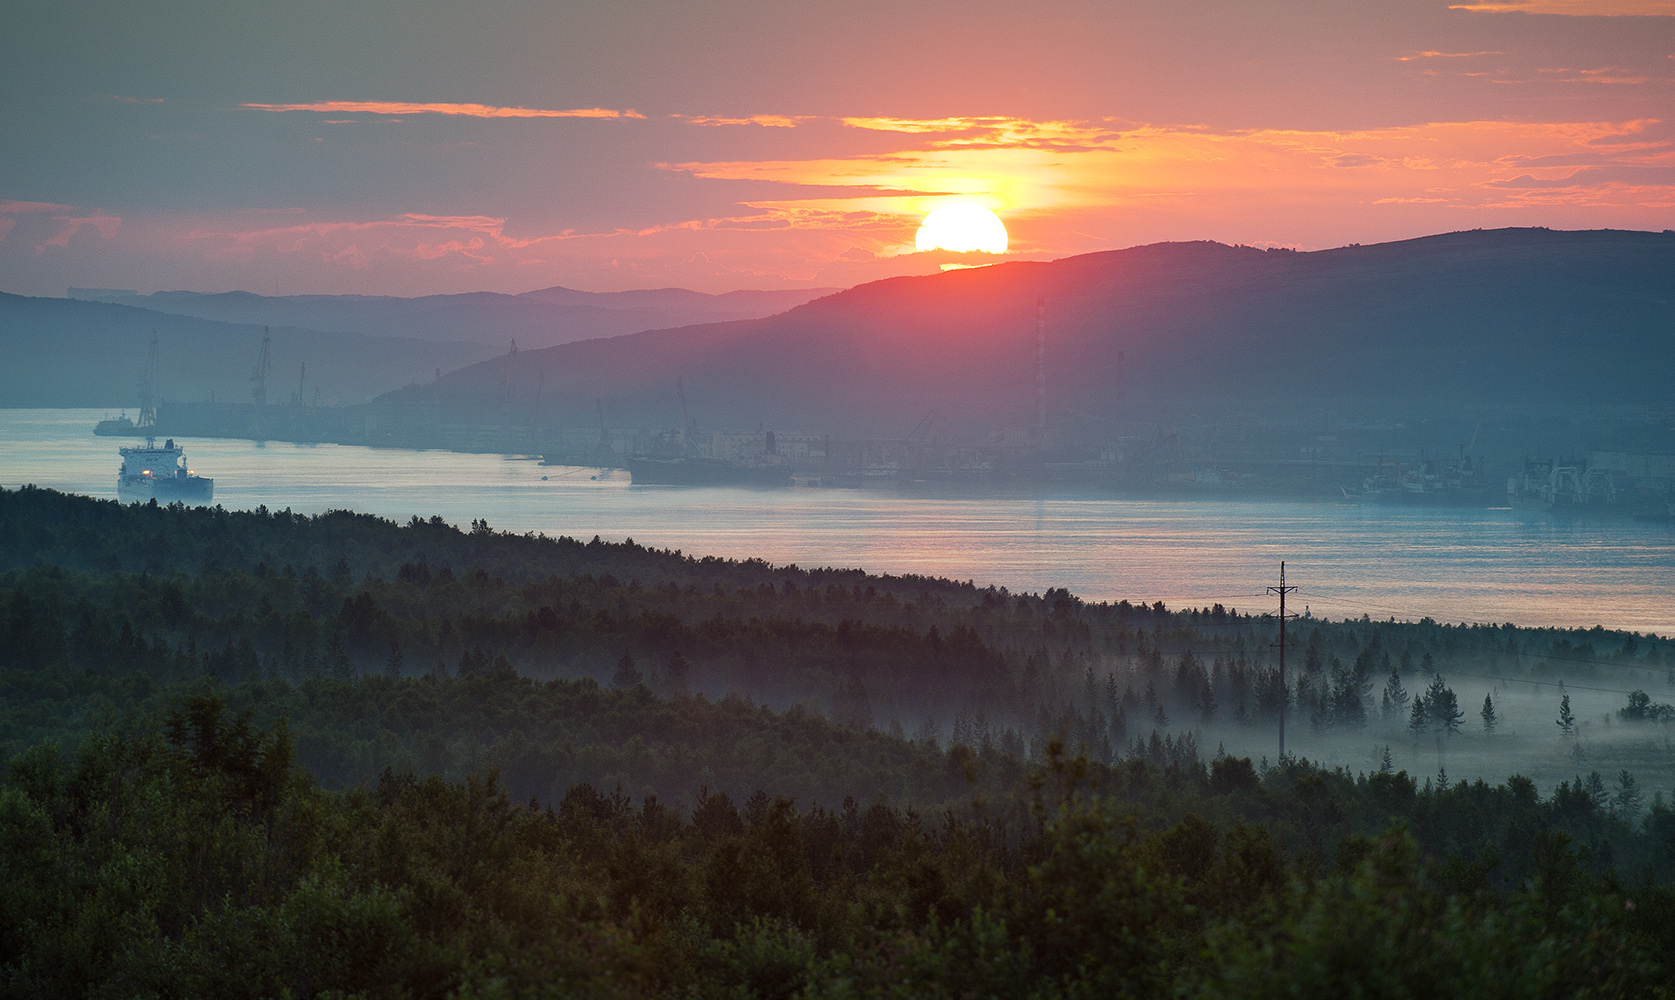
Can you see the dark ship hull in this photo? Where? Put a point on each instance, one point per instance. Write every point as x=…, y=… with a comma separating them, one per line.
x=190, y=490
x=704, y=472
x=119, y=427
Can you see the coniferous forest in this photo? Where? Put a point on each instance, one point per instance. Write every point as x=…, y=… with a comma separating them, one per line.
x=262, y=754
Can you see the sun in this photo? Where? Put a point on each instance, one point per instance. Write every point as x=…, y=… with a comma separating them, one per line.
x=961, y=227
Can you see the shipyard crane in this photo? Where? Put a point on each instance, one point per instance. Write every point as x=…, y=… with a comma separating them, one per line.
x=259, y=377
x=148, y=388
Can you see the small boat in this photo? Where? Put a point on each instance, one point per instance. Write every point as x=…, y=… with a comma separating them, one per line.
x=160, y=474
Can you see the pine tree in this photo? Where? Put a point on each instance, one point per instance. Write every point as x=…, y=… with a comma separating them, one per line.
x=1628, y=798
x=1490, y=719
x=1444, y=705
x=1566, y=720
x=1207, y=702
x=1419, y=719
x=1395, y=696
x=626, y=675
x=675, y=675
x=1597, y=794
x=337, y=657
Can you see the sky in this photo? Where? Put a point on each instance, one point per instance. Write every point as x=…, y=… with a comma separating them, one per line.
x=417, y=147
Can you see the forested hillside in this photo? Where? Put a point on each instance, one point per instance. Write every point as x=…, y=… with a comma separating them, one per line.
x=257, y=754
x=271, y=595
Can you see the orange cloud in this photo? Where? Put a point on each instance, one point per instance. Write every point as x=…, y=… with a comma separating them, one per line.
x=1575, y=8
x=468, y=110
x=1054, y=173
x=993, y=132
x=766, y=121
x=1062, y=187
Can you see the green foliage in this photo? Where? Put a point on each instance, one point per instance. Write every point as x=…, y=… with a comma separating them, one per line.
x=258, y=754
x=180, y=857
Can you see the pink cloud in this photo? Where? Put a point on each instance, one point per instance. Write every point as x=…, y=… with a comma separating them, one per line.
x=1446, y=55
x=70, y=225
x=65, y=224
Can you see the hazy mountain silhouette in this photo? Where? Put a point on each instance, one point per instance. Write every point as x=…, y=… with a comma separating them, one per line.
x=62, y=352
x=535, y=319
x=1504, y=316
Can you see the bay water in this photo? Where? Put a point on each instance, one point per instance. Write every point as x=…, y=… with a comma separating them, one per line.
x=1489, y=564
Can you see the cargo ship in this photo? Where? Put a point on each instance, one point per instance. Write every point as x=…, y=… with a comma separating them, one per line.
x=160, y=474
x=122, y=426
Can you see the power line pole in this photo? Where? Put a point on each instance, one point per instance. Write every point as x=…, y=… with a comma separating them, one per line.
x=1285, y=693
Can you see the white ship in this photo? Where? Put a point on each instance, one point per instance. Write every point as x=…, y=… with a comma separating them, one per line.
x=153, y=473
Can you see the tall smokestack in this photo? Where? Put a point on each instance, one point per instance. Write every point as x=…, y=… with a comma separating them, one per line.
x=1041, y=369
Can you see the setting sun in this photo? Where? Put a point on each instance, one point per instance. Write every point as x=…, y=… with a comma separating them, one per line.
x=962, y=227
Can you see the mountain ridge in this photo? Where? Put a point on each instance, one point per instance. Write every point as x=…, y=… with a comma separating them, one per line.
x=539, y=318
x=1489, y=316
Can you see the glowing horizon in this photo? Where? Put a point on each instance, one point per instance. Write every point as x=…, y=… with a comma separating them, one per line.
x=408, y=168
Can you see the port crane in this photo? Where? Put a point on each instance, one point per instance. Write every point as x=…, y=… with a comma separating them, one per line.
x=148, y=388
x=259, y=376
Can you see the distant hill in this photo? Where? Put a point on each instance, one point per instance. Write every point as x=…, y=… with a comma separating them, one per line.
x=541, y=318
x=62, y=352
x=1503, y=316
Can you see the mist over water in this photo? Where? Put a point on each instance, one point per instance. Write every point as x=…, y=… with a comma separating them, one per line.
x=1453, y=565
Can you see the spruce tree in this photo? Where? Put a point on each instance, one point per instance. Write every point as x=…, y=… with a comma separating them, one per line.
x=675, y=675
x=626, y=675
x=1597, y=794
x=1419, y=719
x=1490, y=719
x=1626, y=803
x=1444, y=706
x=1395, y=696
x=1566, y=720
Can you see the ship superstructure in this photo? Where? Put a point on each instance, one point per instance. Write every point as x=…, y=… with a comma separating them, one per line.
x=153, y=473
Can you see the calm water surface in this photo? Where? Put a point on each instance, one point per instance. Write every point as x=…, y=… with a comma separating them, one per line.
x=1455, y=565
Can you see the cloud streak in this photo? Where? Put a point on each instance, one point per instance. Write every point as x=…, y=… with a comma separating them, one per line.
x=1575, y=8
x=437, y=108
